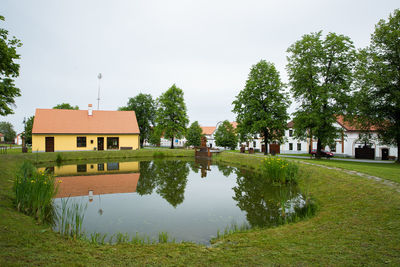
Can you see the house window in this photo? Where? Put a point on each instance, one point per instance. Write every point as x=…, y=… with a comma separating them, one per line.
x=91, y=141
x=290, y=146
x=112, y=166
x=100, y=167
x=298, y=146
x=254, y=144
x=81, y=168
x=333, y=147
x=112, y=142
x=81, y=141
x=290, y=133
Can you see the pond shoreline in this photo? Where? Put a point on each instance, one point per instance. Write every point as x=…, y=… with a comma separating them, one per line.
x=357, y=224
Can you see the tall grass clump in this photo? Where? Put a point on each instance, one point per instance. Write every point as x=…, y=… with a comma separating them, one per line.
x=59, y=159
x=159, y=154
x=34, y=192
x=279, y=171
x=70, y=219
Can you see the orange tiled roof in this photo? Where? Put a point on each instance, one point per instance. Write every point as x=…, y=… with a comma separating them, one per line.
x=234, y=124
x=64, y=121
x=73, y=186
x=290, y=124
x=208, y=130
x=351, y=126
x=1, y=134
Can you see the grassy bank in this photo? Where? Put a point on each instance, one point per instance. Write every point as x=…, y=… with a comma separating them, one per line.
x=357, y=224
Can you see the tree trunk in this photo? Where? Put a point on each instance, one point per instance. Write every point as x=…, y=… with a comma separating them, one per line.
x=319, y=147
x=398, y=151
x=265, y=142
x=141, y=142
x=172, y=143
x=311, y=143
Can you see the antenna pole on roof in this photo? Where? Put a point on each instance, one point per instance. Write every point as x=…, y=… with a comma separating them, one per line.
x=98, y=92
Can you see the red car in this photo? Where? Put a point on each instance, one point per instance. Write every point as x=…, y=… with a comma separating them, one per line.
x=324, y=153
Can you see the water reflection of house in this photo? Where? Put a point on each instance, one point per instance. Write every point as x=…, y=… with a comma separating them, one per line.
x=72, y=186
x=93, y=168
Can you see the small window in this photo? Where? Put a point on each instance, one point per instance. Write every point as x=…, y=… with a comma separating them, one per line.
x=298, y=146
x=112, y=166
x=81, y=168
x=91, y=141
x=81, y=141
x=254, y=144
x=290, y=133
x=100, y=167
x=112, y=142
x=290, y=146
x=333, y=147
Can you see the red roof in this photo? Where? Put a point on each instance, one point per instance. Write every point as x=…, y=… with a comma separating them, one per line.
x=351, y=126
x=65, y=121
x=1, y=134
x=290, y=124
x=208, y=130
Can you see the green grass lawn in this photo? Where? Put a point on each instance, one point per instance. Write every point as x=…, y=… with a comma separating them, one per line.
x=357, y=224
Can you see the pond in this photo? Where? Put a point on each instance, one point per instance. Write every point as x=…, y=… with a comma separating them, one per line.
x=190, y=200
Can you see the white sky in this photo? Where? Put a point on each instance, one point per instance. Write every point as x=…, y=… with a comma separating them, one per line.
x=205, y=47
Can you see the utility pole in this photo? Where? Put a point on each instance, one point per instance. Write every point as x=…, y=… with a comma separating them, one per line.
x=98, y=92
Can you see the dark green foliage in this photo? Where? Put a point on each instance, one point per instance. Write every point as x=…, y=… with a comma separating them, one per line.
x=261, y=107
x=320, y=74
x=225, y=135
x=145, y=110
x=28, y=129
x=59, y=159
x=66, y=106
x=171, y=116
x=378, y=77
x=155, y=136
x=7, y=129
x=9, y=70
x=194, y=134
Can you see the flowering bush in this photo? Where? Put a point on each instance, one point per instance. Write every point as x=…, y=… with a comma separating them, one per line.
x=34, y=192
x=278, y=170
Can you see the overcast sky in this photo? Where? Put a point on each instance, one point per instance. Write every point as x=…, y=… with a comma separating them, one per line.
x=205, y=47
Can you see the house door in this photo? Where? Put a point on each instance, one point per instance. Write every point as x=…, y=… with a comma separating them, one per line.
x=100, y=143
x=385, y=154
x=49, y=144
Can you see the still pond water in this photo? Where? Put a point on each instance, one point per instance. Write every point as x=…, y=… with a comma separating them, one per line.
x=190, y=200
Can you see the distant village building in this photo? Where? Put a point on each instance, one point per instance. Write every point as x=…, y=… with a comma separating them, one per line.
x=1, y=137
x=18, y=139
x=82, y=130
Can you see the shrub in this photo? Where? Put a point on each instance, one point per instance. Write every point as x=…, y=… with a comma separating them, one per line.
x=279, y=171
x=34, y=192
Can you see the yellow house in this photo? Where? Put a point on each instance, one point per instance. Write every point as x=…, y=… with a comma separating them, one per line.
x=82, y=130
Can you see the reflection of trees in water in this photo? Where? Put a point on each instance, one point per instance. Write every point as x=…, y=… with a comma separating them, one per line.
x=225, y=170
x=266, y=205
x=169, y=177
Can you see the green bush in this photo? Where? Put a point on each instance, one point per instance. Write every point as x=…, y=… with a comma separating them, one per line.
x=34, y=192
x=279, y=171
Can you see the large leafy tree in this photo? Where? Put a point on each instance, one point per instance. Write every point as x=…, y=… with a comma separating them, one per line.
x=261, y=107
x=171, y=116
x=378, y=77
x=320, y=74
x=145, y=109
x=225, y=135
x=66, y=106
x=193, y=134
x=28, y=129
x=9, y=70
x=7, y=129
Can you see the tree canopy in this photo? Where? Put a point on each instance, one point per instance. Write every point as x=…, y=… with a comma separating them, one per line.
x=225, y=135
x=7, y=129
x=320, y=74
x=261, y=107
x=28, y=129
x=378, y=77
x=145, y=109
x=66, y=106
x=9, y=70
x=194, y=134
x=171, y=116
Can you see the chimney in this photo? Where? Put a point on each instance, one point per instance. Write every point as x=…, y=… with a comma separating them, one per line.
x=90, y=111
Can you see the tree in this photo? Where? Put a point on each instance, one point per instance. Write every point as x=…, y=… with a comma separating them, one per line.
x=7, y=129
x=261, y=107
x=320, y=74
x=171, y=117
x=194, y=134
x=9, y=70
x=28, y=129
x=65, y=106
x=145, y=109
x=378, y=77
x=155, y=136
x=225, y=135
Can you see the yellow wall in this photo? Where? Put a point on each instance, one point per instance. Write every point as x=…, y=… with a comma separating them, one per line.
x=68, y=142
x=92, y=168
